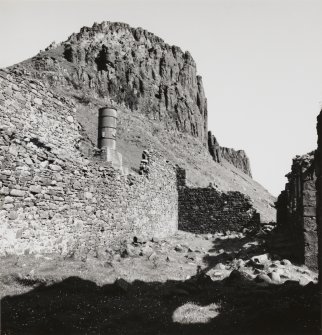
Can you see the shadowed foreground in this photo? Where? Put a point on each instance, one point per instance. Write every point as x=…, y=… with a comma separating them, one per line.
x=77, y=306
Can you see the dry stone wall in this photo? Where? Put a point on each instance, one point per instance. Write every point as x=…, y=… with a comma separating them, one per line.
x=53, y=197
x=296, y=211
x=318, y=166
x=206, y=210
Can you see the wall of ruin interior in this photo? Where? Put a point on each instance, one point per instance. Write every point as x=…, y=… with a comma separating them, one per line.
x=55, y=199
x=296, y=211
x=206, y=210
x=318, y=168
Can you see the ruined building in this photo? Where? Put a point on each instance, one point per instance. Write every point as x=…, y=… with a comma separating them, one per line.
x=296, y=212
x=53, y=199
x=92, y=132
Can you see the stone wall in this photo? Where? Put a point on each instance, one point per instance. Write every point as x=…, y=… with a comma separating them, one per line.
x=318, y=166
x=55, y=197
x=296, y=211
x=206, y=210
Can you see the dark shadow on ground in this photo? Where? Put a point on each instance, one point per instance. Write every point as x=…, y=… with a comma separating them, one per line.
x=230, y=244
x=77, y=306
x=233, y=248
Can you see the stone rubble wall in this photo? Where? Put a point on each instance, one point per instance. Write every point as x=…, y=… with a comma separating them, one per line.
x=318, y=168
x=206, y=210
x=296, y=211
x=55, y=199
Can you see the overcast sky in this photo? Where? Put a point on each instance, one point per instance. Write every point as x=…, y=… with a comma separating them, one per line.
x=261, y=62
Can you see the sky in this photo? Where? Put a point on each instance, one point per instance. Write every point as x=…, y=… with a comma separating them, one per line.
x=261, y=62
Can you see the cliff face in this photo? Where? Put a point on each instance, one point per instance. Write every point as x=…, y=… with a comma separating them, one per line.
x=214, y=148
x=135, y=69
x=132, y=67
x=238, y=158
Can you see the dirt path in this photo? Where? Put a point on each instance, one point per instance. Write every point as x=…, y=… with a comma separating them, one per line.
x=188, y=284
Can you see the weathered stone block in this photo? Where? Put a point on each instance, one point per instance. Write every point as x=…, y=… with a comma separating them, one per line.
x=309, y=211
x=88, y=195
x=38, y=101
x=55, y=167
x=35, y=189
x=17, y=193
x=13, y=215
x=309, y=223
x=8, y=200
x=309, y=185
x=4, y=190
x=8, y=206
x=309, y=198
x=70, y=119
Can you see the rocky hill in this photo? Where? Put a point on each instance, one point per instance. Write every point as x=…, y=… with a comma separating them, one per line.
x=159, y=96
x=132, y=67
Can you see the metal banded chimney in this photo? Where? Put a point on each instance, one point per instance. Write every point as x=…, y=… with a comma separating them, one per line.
x=107, y=120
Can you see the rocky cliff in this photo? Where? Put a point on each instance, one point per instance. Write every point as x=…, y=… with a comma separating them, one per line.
x=238, y=158
x=131, y=67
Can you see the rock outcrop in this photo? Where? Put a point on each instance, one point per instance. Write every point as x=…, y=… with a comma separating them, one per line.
x=214, y=147
x=130, y=66
x=138, y=70
x=238, y=158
